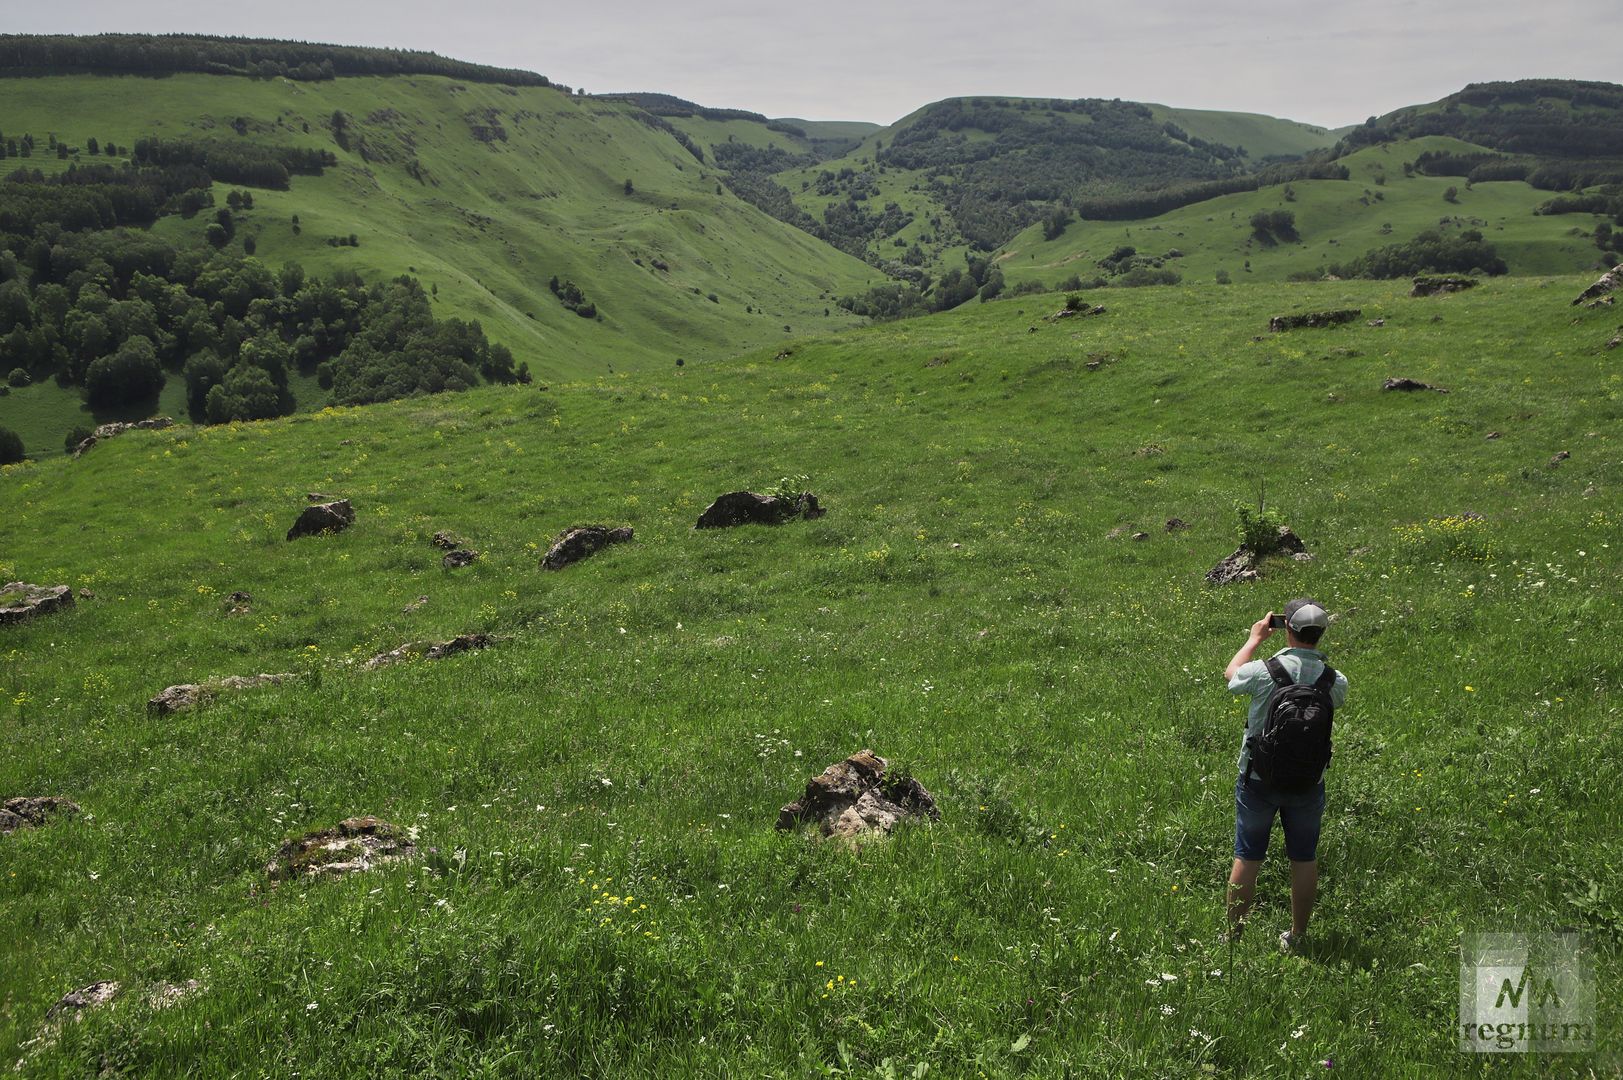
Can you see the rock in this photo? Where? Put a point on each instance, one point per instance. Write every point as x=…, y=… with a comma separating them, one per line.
x=1410, y=384
x=1083, y=312
x=166, y=994
x=414, y=605
x=352, y=846
x=1141, y=536
x=31, y=813
x=1605, y=301
x=20, y=601
x=189, y=695
x=1313, y=319
x=239, y=603
x=938, y=361
x=1606, y=283
x=432, y=650
x=1244, y=563
x=445, y=541
x=108, y=431
x=1441, y=285
x=1376, y=323
x=1175, y=524
x=1560, y=456
x=581, y=541
x=86, y=594
x=75, y=1003
x=854, y=796
x=459, y=557
x=1117, y=532
x=1494, y=435
x=1615, y=342
x=748, y=508
x=322, y=518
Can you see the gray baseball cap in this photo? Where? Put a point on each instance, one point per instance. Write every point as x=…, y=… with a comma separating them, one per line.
x=1303, y=612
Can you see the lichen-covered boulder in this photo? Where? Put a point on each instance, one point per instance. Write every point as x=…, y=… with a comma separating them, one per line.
x=189, y=695
x=854, y=797
x=749, y=508
x=1246, y=562
x=581, y=541
x=353, y=845
x=323, y=518
x=1313, y=319
x=31, y=813
x=20, y=601
x=1606, y=283
x=432, y=650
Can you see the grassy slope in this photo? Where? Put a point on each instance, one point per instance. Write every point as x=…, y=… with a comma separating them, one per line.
x=1262, y=136
x=495, y=221
x=1053, y=682
x=1335, y=223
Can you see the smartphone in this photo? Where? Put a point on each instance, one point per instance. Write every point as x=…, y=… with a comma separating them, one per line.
x=1276, y=621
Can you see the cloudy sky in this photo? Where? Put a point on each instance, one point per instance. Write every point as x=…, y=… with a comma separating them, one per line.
x=1329, y=64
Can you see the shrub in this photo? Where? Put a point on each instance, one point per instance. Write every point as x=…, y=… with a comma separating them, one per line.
x=18, y=377
x=1257, y=530
x=77, y=434
x=11, y=447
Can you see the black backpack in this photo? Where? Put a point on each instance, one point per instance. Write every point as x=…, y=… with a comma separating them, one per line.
x=1294, y=746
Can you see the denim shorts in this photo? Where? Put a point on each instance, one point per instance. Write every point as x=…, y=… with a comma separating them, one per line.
x=1300, y=812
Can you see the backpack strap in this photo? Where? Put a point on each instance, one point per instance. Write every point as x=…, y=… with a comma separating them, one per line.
x=1326, y=680
x=1277, y=671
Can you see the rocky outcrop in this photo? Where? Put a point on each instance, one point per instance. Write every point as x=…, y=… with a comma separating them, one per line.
x=748, y=508
x=581, y=541
x=854, y=797
x=1411, y=384
x=1606, y=283
x=176, y=699
x=323, y=518
x=1313, y=319
x=432, y=650
x=1441, y=285
x=31, y=813
x=78, y=1001
x=20, y=601
x=108, y=431
x=1245, y=563
x=352, y=846
x=1081, y=312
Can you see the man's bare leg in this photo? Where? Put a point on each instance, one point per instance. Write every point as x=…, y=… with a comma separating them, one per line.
x=1242, y=890
x=1304, y=890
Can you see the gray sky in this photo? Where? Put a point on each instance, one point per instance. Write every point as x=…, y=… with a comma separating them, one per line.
x=1329, y=64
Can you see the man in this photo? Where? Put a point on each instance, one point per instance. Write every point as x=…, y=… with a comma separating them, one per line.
x=1255, y=800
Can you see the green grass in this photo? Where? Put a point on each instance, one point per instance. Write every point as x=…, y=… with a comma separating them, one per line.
x=1262, y=136
x=1338, y=220
x=490, y=223
x=968, y=607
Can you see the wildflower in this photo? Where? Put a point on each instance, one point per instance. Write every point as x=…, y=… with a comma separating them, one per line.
x=1470, y=689
x=1167, y=1010
x=820, y=963
x=312, y=1007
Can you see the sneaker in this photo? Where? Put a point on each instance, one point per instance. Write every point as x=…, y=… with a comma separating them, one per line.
x=1291, y=943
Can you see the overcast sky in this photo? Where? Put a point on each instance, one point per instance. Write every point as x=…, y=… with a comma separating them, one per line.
x=1329, y=64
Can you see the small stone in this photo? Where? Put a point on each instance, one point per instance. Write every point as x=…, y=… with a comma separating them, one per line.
x=1559, y=457
x=1410, y=384
x=459, y=557
x=1376, y=322
x=86, y=594
x=414, y=605
x=1141, y=536
x=446, y=541
x=1176, y=524
x=1495, y=435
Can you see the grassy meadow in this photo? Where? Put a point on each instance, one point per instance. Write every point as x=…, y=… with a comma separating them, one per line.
x=603, y=892
x=1338, y=220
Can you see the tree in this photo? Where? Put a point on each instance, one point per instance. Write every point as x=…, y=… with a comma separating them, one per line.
x=1452, y=195
x=246, y=394
x=92, y=146
x=216, y=235
x=629, y=188
x=11, y=447
x=129, y=375
x=77, y=434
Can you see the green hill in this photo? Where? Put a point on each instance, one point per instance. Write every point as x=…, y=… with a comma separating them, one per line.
x=993, y=601
x=513, y=185
x=1380, y=203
